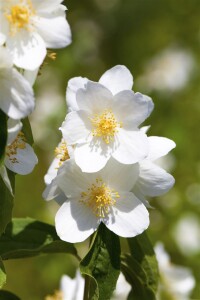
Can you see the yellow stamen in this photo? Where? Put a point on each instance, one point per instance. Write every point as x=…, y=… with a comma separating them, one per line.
x=19, y=143
x=19, y=16
x=99, y=197
x=106, y=126
x=62, y=153
x=57, y=296
x=51, y=55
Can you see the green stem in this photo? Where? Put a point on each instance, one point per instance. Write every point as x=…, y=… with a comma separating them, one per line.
x=87, y=288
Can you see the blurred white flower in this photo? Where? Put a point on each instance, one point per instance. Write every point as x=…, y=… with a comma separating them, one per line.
x=19, y=156
x=28, y=27
x=187, y=234
x=73, y=289
x=104, y=120
x=177, y=281
x=169, y=70
x=98, y=197
x=16, y=98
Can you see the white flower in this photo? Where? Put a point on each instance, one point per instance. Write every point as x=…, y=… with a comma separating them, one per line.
x=154, y=180
x=104, y=120
x=19, y=157
x=186, y=233
x=98, y=197
x=177, y=281
x=170, y=70
x=16, y=98
x=53, y=191
x=73, y=289
x=28, y=27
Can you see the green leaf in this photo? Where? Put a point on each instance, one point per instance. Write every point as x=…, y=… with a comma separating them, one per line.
x=2, y=274
x=142, y=250
x=3, y=135
x=28, y=238
x=137, y=278
x=6, y=202
x=27, y=131
x=5, y=295
x=102, y=263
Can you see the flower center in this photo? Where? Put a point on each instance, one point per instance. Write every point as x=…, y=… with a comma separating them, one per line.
x=62, y=153
x=106, y=126
x=19, y=143
x=19, y=16
x=99, y=198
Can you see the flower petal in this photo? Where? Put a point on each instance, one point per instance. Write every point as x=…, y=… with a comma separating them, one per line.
x=159, y=146
x=76, y=128
x=91, y=157
x=6, y=180
x=5, y=59
x=72, y=289
x=52, y=191
x=26, y=161
x=2, y=39
x=132, y=146
x=54, y=29
x=75, y=222
x=14, y=127
x=49, y=6
x=72, y=180
x=31, y=76
x=119, y=176
x=131, y=109
x=27, y=49
x=153, y=180
x=52, y=171
x=16, y=98
x=117, y=79
x=129, y=217
x=95, y=98
x=74, y=85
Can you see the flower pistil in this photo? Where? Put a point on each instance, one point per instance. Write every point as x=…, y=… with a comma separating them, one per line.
x=106, y=125
x=99, y=197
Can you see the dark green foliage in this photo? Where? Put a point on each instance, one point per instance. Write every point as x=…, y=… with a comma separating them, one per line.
x=102, y=263
x=3, y=134
x=28, y=238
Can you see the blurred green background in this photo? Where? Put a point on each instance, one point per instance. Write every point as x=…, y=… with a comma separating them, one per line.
x=159, y=41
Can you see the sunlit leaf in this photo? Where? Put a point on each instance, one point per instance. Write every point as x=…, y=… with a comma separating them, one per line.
x=2, y=274
x=102, y=263
x=28, y=238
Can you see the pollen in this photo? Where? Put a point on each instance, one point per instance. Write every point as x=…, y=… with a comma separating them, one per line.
x=105, y=126
x=62, y=153
x=100, y=198
x=19, y=16
x=18, y=143
x=57, y=296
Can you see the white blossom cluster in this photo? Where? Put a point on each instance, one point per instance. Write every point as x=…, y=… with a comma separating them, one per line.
x=105, y=167
x=27, y=29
